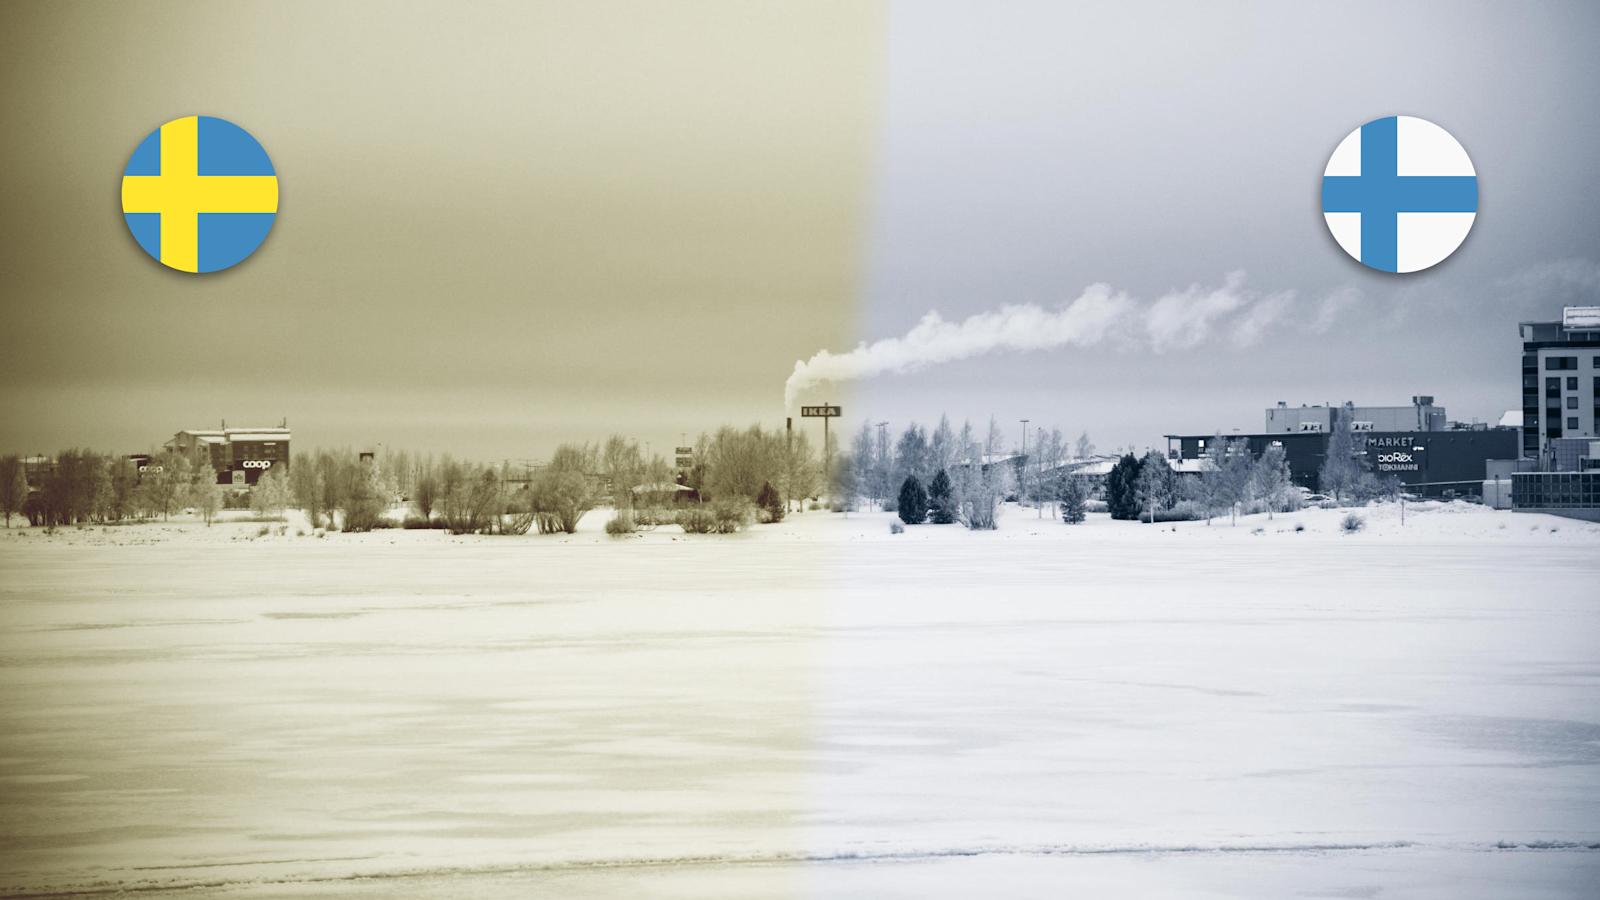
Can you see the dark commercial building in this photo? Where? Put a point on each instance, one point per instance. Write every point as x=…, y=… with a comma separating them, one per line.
x=1439, y=463
x=240, y=456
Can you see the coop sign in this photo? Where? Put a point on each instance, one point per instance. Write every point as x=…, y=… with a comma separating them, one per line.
x=256, y=464
x=820, y=412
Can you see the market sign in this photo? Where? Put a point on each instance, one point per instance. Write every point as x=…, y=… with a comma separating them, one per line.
x=820, y=412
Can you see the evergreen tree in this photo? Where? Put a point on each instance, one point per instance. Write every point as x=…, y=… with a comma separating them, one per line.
x=1074, y=499
x=1122, y=492
x=1157, y=485
x=770, y=503
x=941, y=501
x=913, y=506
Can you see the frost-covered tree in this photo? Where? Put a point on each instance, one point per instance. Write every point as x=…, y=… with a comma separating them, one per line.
x=913, y=501
x=844, y=488
x=802, y=475
x=622, y=464
x=911, y=456
x=1341, y=470
x=204, y=494
x=942, y=449
x=1270, y=479
x=1156, y=487
x=1233, y=482
x=863, y=452
x=271, y=494
x=564, y=490
x=1084, y=447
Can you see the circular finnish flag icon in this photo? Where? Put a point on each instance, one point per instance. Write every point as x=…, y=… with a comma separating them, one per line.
x=1399, y=194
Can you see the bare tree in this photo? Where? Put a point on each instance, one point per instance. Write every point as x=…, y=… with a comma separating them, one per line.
x=13, y=486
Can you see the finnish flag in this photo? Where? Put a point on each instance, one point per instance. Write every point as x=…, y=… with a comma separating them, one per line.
x=1399, y=194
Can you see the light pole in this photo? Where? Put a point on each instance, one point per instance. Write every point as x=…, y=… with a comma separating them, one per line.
x=1024, y=492
x=883, y=460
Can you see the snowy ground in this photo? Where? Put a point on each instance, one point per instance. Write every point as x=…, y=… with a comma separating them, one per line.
x=816, y=708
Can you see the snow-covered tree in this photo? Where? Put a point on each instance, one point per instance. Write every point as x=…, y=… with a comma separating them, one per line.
x=1156, y=486
x=204, y=494
x=1270, y=479
x=1342, y=469
x=1074, y=499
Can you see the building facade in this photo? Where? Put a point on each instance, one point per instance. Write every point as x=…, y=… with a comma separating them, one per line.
x=1560, y=384
x=1431, y=463
x=240, y=456
x=1421, y=415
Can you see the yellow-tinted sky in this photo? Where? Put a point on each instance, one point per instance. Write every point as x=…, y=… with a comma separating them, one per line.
x=502, y=225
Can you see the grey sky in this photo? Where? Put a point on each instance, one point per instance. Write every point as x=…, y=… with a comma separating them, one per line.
x=1031, y=149
x=508, y=225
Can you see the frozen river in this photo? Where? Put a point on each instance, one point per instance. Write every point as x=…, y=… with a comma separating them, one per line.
x=815, y=708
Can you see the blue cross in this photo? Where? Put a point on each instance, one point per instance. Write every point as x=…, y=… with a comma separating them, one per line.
x=1379, y=193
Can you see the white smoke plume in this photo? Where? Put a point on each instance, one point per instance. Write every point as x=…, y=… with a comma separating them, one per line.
x=1178, y=320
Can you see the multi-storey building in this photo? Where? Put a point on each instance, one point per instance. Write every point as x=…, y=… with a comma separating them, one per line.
x=1560, y=385
x=240, y=456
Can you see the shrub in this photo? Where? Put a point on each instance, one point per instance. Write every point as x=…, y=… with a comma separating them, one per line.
x=1352, y=523
x=1182, y=511
x=1299, y=527
x=419, y=522
x=771, y=505
x=913, y=505
x=723, y=516
x=896, y=528
x=621, y=524
x=559, y=499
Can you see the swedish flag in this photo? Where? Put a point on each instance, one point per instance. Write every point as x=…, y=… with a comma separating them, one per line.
x=199, y=194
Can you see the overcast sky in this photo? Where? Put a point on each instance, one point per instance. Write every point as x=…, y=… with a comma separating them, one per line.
x=504, y=226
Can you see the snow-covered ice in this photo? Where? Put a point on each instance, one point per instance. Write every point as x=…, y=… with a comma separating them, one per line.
x=815, y=708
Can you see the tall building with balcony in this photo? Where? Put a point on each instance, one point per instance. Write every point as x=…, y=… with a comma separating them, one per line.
x=1560, y=387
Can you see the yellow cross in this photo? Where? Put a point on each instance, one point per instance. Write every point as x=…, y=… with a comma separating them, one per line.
x=180, y=193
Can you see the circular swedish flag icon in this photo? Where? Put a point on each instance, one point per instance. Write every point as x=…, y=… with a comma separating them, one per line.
x=199, y=194
x=1399, y=194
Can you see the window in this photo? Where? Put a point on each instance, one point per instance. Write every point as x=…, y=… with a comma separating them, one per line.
x=1572, y=423
x=1552, y=387
x=1572, y=403
x=1560, y=363
x=1572, y=383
